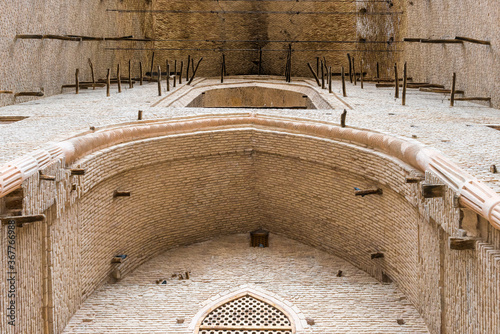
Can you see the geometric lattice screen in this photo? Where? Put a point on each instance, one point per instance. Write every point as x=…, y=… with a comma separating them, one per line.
x=246, y=315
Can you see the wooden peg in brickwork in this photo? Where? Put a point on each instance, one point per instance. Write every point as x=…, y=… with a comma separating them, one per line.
x=180, y=72
x=118, y=193
x=350, y=67
x=322, y=76
x=159, y=80
x=92, y=73
x=472, y=40
x=28, y=94
x=168, y=77
x=342, y=74
x=396, y=93
x=414, y=179
x=363, y=193
x=77, y=171
x=330, y=79
x=453, y=82
x=286, y=68
x=152, y=64
x=405, y=77
x=342, y=118
x=118, y=78
x=433, y=190
x=361, y=76
x=108, y=82
x=19, y=221
x=222, y=71
x=195, y=70
x=47, y=177
x=314, y=74
x=225, y=68
x=317, y=66
x=139, y=115
x=175, y=72
x=187, y=67
x=77, y=81
x=141, y=73
x=130, y=83
x=378, y=73
x=376, y=255
x=355, y=77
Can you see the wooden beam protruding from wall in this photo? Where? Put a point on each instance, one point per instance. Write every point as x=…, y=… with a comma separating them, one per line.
x=363, y=193
x=21, y=220
x=377, y=255
x=77, y=171
x=462, y=243
x=433, y=190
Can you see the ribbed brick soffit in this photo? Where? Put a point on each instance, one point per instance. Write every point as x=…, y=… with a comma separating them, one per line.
x=472, y=193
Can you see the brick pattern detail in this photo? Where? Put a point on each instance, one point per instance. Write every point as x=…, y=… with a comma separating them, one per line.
x=188, y=188
x=301, y=275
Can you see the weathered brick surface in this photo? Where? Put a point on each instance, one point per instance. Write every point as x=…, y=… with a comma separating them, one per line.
x=239, y=35
x=477, y=66
x=299, y=274
x=33, y=64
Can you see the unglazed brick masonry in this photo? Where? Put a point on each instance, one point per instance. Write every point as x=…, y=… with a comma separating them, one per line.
x=131, y=213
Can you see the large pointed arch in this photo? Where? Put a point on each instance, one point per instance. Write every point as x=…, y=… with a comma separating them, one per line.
x=247, y=310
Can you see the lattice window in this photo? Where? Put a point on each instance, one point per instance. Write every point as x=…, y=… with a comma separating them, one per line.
x=246, y=315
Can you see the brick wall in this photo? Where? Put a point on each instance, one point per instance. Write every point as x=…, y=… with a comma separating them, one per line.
x=299, y=276
x=194, y=187
x=477, y=66
x=270, y=31
x=34, y=64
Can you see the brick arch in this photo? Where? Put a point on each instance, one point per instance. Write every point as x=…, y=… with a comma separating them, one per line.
x=227, y=164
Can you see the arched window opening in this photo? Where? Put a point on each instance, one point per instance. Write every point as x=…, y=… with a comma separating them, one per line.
x=246, y=315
